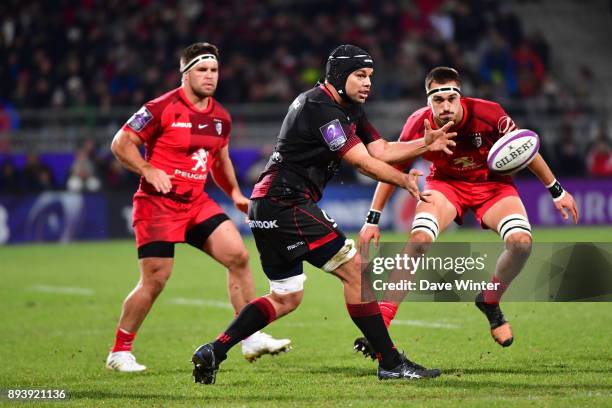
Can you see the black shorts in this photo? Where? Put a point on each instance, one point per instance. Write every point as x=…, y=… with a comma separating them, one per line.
x=288, y=232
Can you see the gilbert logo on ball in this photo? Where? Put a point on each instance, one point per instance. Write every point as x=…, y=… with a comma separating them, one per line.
x=514, y=151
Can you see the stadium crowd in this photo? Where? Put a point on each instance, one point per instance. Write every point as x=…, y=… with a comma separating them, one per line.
x=122, y=53
x=92, y=54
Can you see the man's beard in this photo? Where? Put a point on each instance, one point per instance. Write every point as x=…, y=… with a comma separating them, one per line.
x=445, y=119
x=201, y=94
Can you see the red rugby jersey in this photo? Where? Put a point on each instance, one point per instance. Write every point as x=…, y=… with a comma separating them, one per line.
x=181, y=140
x=483, y=123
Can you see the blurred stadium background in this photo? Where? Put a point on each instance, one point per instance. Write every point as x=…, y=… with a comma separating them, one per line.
x=72, y=72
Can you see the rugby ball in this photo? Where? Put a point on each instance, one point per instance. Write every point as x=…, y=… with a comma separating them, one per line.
x=513, y=152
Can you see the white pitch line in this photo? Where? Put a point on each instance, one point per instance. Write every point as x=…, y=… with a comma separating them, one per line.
x=202, y=302
x=424, y=323
x=62, y=290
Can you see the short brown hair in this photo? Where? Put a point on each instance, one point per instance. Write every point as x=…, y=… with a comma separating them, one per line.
x=442, y=75
x=196, y=49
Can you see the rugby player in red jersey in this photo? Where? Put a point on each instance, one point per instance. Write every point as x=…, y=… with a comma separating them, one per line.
x=462, y=181
x=186, y=135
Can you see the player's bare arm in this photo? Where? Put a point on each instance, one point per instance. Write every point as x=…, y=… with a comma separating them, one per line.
x=400, y=152
x=225, y=177
x=359, y=157
x=370, y=231
x=563, y=200
x=125, y=148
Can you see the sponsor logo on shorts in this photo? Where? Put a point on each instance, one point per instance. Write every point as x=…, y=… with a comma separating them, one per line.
x=140, y=119
x=263, y=224
x=333, y=134
x=296, y=245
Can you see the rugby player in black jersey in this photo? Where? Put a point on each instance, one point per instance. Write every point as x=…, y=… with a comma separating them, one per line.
x=323, y=126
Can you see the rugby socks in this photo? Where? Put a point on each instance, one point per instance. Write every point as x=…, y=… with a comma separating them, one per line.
x=253, y=317
x=123, y=340
x=388, y=311
x=369, y=320
x=494, y=296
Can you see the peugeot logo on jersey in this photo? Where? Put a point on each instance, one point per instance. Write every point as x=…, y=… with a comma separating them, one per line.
x=201, y=157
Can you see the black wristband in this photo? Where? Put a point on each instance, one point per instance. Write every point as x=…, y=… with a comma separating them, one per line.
x=556, y=190
x=373, y=217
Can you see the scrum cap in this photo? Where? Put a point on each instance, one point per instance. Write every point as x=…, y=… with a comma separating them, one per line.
x=342, y=61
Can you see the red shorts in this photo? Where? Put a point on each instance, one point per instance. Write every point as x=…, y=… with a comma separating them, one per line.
x=157, y=218
x=478, y=197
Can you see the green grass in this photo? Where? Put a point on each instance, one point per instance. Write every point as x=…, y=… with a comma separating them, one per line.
x=562, y=355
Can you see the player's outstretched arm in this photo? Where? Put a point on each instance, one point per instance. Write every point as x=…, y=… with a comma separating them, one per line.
x=563, y=200
x=359, y=158
x=401, y=152
x=125, y=148
x=225, y=177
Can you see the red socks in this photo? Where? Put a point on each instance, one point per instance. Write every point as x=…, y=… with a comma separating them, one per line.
x=388, y=311
x=494, y=296
x=123, y=340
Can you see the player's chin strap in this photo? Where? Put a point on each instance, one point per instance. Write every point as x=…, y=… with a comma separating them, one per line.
x=203, y=57
x=443, y=89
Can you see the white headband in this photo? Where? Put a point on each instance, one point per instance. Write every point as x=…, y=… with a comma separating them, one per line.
x=187, y=67
x=443, y=89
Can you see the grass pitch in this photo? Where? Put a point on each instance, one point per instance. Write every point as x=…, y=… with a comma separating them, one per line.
x=60, y=305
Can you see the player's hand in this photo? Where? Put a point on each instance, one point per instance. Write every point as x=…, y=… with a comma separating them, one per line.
x=368, y=233
x=566, y=204
x=161, y=181
x=240, y=202
x=412, y=185
x=439, y=139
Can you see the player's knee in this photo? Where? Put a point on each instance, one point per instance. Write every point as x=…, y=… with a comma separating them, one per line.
x=288, y=302
x=519, y=244
x=420, y=241
x=155, y=276
x=237, y=259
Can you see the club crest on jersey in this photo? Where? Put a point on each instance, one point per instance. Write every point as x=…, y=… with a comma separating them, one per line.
x=218, y=127
x=140, y=119
x=476, y=139
x=333, y=134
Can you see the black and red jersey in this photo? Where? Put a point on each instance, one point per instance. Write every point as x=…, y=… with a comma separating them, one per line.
x=315, y=134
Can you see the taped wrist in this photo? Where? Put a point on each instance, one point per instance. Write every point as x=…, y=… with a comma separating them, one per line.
x=373, y=217
x=556, y=190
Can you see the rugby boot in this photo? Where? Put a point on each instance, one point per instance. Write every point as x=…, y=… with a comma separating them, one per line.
x=501, y=331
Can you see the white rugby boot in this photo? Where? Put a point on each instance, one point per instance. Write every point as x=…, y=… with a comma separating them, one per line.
x=259, y=343
x=123, y=361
